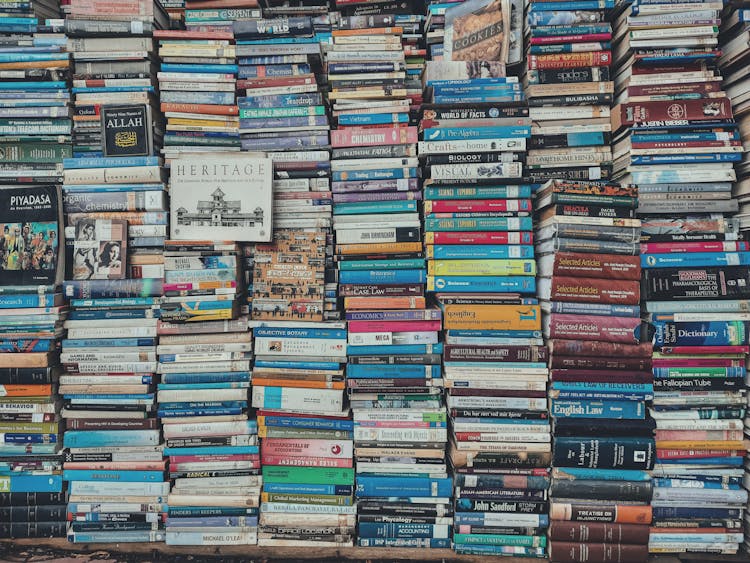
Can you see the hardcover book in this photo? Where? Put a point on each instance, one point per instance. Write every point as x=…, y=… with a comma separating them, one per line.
x=221, y=198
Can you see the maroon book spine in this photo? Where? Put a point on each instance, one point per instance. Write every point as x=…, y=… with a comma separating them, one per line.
x=114, y=424
x=604, y=532
x=601, y=376
x=595, y=290
x=597, y=265
x=603, y=362
x=607, y=329
x=568, y=552
x=690, y=110
x=576, y=347
x=276, y=82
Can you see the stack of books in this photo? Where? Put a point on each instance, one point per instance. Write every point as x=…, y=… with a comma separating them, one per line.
x=113, y=440
x=735, y=48
x=590, y=298
x=394, y=377
x=306, y=434
x=35, y=120
x=109, y=355
x=699, y=365
x=570, y=87
x=32, y=312
x=677, y=139
x=99, y=18
x=35, y=130
x=282, y=112
x=113, y=65
x=205, y=355
x=415, y=57
x=674, y=135
x=481, y=270
x=400, y=427
x=197, y=82
x=298, y=377
x=281, y=107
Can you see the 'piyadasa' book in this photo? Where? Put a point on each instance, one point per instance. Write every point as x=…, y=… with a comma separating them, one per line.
x=30, y=249
x=221, y=198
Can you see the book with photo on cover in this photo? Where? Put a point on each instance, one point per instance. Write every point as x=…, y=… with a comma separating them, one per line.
x=99, y=249
x=477, y=30
x=227, y=197
x=30, y=249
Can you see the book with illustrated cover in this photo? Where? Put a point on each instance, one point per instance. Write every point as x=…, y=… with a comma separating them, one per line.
x=30, y=251
x=288, y=276
x=99, y=249
x=221, y=197
x=477, y=30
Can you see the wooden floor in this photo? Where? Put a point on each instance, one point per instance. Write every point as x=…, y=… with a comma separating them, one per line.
x=24, y=550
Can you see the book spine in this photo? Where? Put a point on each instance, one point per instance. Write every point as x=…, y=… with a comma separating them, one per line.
x=598, y=266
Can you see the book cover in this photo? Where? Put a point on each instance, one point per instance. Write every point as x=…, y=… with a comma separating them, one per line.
x=99, y=249
x=30, y=251
x=222, y=197
x=126, y=130
x=477, y=30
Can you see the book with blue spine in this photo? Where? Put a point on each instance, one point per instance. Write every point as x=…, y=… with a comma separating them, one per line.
x=598, y=409
x=375, y=486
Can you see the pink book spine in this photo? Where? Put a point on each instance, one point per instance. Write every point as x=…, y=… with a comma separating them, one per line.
x=189, y=285
x=692, y=454
x=364, y=137
x=708, y=246
x=206, y=465
x=393, y=424
x=307, y=448
x=394, y=326
x=705, y=350
x=307, y=461
x=201, y=458
x=117, y=465
x=696, y=363
x=118, y=7
x=699, y=435
x=605, y=329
